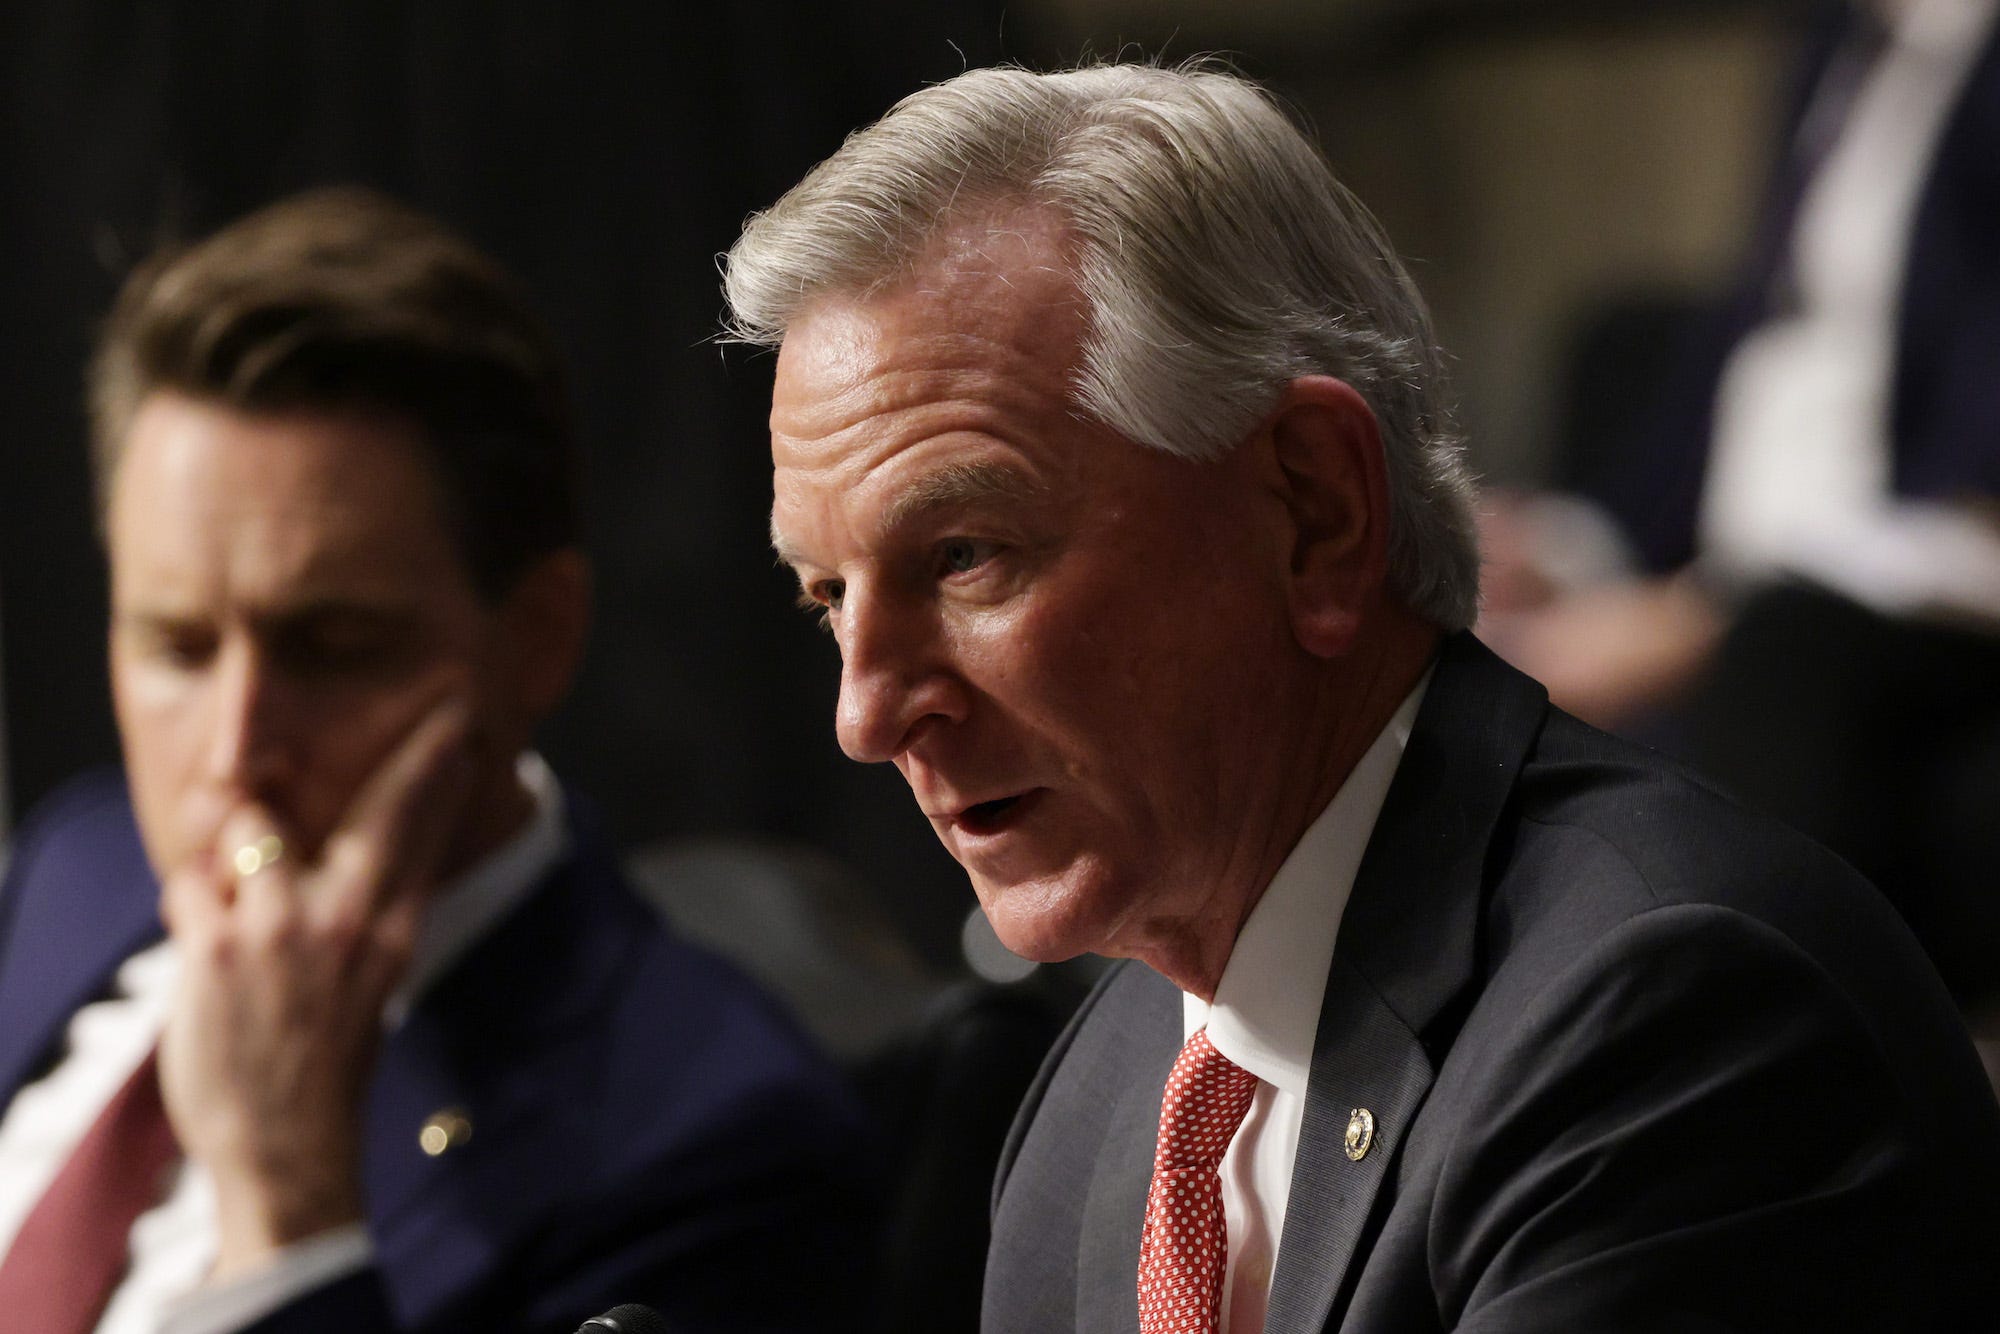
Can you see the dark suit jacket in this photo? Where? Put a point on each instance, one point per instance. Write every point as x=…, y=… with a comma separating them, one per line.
x=646, y=1126
x=1638, y=1061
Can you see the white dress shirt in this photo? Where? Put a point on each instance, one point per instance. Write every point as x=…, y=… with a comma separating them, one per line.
x=1799, y=473
x=173, y=1244
x=1266, y=1012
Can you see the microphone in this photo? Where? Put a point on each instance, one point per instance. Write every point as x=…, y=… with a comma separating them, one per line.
x=630, y=1318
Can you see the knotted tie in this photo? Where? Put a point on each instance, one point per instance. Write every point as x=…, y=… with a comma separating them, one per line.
x=1185, y=1245
x=72, y=1250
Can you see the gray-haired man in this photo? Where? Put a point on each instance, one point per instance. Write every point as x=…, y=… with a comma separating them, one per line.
x=1106, y=435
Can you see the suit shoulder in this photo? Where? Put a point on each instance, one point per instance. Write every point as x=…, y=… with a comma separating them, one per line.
x=1692, y=1084
x=90, y=816
x=80, y=839
x=1625, y=877
x=1609, y=827
x=1608, y=834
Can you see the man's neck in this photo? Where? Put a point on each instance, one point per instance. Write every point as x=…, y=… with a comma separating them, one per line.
x=1353, y=702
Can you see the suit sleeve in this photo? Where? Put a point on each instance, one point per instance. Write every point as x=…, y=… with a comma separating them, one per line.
x=1691, y=1129
x=751, y=1209
x=302, y=1267
x=772, y=1256
x=357, y=1302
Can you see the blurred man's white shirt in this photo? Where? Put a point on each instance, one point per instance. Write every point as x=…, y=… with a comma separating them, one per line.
x=1799, y=476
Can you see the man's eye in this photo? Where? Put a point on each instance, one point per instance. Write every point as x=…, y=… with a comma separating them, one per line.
x=337, y=653
x=822, y=597
x=959, y=555
x=338, y=645
x=183, y=647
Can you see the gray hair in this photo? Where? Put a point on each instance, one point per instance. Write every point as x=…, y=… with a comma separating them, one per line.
x=1217, y=256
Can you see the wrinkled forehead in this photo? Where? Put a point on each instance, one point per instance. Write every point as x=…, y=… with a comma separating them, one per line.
x=979, y=349
x=991, y=298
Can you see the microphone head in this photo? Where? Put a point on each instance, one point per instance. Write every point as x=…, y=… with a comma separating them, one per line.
x=630, y=1318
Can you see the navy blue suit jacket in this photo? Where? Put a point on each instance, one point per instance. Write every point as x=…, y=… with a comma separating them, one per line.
x=646, y=1125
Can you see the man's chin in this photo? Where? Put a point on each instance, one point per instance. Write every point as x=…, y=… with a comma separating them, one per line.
x=1037, y=921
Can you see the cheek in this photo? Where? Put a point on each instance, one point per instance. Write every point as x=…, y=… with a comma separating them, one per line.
x=340, y=737
x=163, y=738
x=1159, y=701
x=1077, y=636
x=161, y=722
x=1106, y=666
x=505, y=705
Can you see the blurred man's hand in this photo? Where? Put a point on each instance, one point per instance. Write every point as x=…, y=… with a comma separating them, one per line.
x=285, y=968
x=1561, y=599
x=1613, y=652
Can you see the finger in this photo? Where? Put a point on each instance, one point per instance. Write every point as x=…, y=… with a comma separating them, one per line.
x=193, y=903
x=391, y=944
x=201, y=869
x=250, y=845
x=251, y=851
x=394, y=831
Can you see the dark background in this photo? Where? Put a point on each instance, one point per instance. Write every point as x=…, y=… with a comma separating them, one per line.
x=607, y=153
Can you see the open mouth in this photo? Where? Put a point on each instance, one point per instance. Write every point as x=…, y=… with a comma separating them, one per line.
x=989, y=817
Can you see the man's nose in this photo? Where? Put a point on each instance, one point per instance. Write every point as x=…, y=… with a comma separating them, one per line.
x=896, y=676
x=249, y=731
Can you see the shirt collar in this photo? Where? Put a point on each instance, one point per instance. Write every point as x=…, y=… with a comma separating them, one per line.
x=473, y=904
x=1266, y=1008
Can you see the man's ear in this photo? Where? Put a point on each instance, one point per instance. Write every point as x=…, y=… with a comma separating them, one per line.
x=1333, y=481
x=546, y=620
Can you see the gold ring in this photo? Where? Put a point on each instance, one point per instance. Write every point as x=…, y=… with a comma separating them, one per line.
x=254, y=857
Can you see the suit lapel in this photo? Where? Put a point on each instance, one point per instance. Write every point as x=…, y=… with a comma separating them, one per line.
x=488, y=1042
x=1114, y=1208
x=1369, y=1060
x=1406, y=948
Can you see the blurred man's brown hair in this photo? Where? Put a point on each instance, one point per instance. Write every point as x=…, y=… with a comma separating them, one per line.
x=341, y=300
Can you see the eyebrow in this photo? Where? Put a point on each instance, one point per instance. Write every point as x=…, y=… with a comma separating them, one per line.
x=266, y=618
x=954, y=486
x=964, y=486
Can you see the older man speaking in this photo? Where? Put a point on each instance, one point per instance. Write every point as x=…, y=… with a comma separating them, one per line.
x=1108, y=439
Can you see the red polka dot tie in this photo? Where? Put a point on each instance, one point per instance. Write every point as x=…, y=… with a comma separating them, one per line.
x=1185, y=1245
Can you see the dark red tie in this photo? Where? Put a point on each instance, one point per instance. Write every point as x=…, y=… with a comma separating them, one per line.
x=1185, y=1246
x=73, y=1248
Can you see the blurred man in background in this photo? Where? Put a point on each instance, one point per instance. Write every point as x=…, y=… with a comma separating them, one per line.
x=333, y=1012
x=1108, y=440
x=1811, y=608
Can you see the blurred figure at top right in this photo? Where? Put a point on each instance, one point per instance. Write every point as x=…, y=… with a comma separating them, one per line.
x=1803, y=597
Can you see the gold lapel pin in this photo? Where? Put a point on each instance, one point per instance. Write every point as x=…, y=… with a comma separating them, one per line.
x=444, y=1130
x=1360, y=1133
